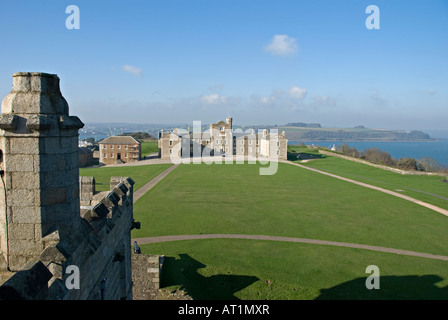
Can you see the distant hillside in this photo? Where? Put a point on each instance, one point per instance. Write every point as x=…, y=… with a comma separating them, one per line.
x=305, y=125
x=358, y=133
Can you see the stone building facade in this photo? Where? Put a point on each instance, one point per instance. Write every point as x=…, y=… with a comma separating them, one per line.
x=222, y=139
x=119, y=149
x=169, y=144
x=50, y=246
x=85, y=156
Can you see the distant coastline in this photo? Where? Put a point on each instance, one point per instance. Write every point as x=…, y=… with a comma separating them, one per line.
x=359, y=133
x=436, y=149
x=369, y=140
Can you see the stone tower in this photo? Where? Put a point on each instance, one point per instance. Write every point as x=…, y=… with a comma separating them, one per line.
x=38, y=167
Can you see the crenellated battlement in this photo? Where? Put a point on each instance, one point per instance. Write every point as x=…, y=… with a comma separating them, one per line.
x=100, y=244
x=99, y=249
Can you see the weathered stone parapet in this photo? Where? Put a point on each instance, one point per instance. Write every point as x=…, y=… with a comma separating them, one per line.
x=100, y=249
x=147, y=270
x=35, y=106
x=27, y=284
x=35, y=93
x=86, y=190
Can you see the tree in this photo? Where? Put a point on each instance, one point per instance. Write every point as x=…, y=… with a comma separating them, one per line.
x=351, y=152
x=378, y=156
x=407, y=164
x=429, y=164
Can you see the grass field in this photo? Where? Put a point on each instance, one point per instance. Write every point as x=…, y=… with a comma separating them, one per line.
x=149, y=147
x=140, y=174
x=293, y=203
x=201, y=199
x=258, y=270
x=431, y=189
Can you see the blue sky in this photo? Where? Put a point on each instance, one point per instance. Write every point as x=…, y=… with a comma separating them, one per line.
x=261, y=62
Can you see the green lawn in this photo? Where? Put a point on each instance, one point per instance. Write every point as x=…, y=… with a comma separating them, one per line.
x=431, y=189
x=295, y=202
x=201, y=199
x=149, y=147
x=259, y=270
x=140, y=174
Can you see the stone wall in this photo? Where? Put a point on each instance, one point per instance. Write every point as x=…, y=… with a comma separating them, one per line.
x=100, y=249
x=146, y=272
x=85, y=156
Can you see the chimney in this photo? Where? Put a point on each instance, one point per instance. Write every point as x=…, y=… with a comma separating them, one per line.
x=229, y=122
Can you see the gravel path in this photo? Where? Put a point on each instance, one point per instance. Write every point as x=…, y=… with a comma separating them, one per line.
x=140, y=192
x=287, y=239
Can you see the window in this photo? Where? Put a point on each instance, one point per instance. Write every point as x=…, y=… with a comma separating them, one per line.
x=111, y=155
x=242, y=149
x=250, y=141
x=111, y=146
x=171, y=142
x=105, y=155
x=119, y=146
x=125, y=155
x=171, y=150
x=126, y=147
x=242, y=141
x=278, y=143
x=278, y=152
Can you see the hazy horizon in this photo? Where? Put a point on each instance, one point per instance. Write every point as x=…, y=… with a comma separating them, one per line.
x=265, y=62
x=434, y=133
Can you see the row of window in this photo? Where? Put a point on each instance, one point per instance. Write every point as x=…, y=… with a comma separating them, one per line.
x=242, y=150
x=112, y=155
x=234, y=150
x=118, y=146
x=223, y=141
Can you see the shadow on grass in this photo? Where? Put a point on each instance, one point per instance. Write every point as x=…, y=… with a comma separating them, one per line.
x=391, y=288
x=184, y=272
x=293, y=156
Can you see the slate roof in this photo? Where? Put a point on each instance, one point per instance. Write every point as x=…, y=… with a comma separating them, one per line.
x=120, y=140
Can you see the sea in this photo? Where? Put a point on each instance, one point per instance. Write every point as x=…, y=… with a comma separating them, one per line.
x=437, y=150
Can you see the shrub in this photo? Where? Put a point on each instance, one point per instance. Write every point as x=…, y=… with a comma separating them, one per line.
x=431, y=165
x=351, y=152
x=378, y=156
x=407, y=164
